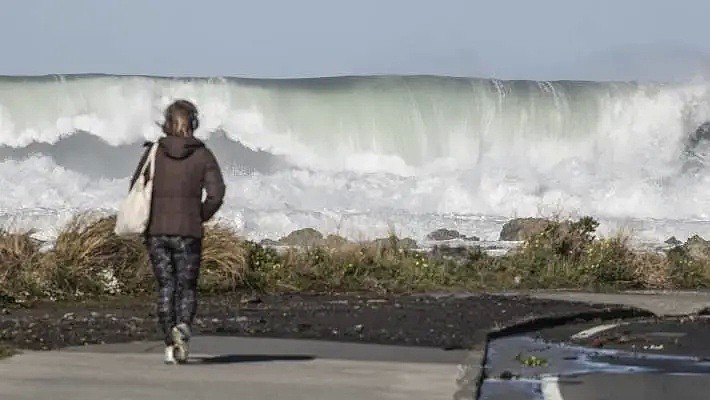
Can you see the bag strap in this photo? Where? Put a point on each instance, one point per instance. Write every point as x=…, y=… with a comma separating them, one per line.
x=150, y=161
x=151, y=157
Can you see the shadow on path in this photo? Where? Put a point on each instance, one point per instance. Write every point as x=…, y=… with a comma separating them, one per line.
x=245, y=358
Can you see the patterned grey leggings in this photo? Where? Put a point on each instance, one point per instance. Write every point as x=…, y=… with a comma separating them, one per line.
x=176, y=264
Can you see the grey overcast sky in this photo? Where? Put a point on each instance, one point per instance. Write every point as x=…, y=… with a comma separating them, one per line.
x=522, y=39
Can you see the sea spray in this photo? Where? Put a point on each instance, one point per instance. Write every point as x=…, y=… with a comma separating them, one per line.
x=359, y=155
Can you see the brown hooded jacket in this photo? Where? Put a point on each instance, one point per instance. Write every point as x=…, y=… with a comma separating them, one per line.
x=183, y=168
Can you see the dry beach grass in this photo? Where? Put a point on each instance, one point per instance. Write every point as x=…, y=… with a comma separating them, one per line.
x=88, y=260
x=6, y=351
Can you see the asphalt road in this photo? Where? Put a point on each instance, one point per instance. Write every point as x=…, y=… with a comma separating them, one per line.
x=237, y=368
x=655, y=359
x=420, y=354
x=647, y=386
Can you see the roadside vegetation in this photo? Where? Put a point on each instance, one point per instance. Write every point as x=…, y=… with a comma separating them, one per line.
x=6, y=351
x=89, y=261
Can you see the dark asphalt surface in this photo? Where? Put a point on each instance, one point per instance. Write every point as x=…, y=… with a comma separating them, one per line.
x=448, y=322
x=650, y=359
x=672, y=336
x=649, y=386
x=454, y=322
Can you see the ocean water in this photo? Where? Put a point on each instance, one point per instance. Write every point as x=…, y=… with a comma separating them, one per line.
x=361, y=156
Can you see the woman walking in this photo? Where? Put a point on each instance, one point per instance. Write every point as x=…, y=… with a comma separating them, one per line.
x=184, y=167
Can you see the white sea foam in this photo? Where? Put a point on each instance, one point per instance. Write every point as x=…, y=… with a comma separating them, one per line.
x=359, y=156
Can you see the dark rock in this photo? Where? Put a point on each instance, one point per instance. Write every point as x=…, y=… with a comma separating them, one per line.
x=702, y=133
x=269, y=243
x=252, y=300
x=444, y=234
x=406, y=243
x=673, y=241
x=523, y=228
x=303, y=237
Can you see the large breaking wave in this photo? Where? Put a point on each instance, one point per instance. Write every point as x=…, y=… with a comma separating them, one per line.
x=357, y=154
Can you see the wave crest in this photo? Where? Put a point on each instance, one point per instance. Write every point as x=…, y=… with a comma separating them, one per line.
x=372, y=146
x=394, y=124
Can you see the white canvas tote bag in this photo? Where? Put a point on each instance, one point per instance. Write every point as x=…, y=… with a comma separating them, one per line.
x=134, y=211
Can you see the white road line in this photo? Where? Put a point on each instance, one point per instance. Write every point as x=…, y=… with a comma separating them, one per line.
x=593, y=331
x=550, y=388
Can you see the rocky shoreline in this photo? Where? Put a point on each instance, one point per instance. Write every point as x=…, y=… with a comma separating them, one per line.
x=512, y=234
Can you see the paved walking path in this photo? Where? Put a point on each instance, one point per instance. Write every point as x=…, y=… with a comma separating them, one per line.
x=234, y=368
x=255, y=369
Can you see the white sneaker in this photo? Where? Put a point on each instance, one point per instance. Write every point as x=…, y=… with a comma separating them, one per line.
x=170, y=355
x=181, y=338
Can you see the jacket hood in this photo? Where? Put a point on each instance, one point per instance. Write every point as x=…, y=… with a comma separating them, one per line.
x=179, y=147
